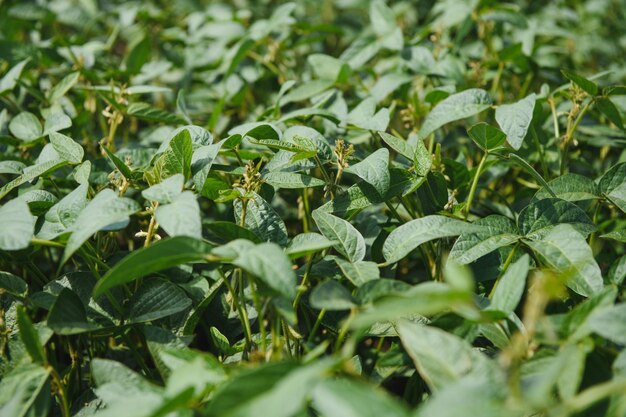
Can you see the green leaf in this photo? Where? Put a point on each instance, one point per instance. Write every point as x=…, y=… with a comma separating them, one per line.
x=364, y=116
x=270, y=264
x=10, y=78
x=26, y=127
x=619, y=235
x=31, y=173
x=30, y=337
x=56, y=120
x=589, y=86
x=146, y=112
x=610, y=323
x=155, y=299
x=118, y=163
x=486, y=136
x=358, y=273
x=201, y=163
x=532, y=171
x=497, y=231
x=565, y=250
x=331, y=295
x=539, y=217
x=13, y=284
x=510, y=287
x=20, y=388
x=160, y=255
x=222, y=232
x=409, y=236
x=68, y=316
x=63, y=86
x=431, y=349
x=570, y=187
x=345, y=397
x=60, y=218
x=307, y=90
x=401, y=146
x=613, y=185
x=349, y=241
x=374, y=170
x=16, y=225
x=514, y=119
x=455, y=107
x=291, y=180
x=262, y=220
x=181, y=217
x=606, y=107
x=166, y=191
x=307, y=244
x=105, y=210
x=423, y=299
x=67, y=148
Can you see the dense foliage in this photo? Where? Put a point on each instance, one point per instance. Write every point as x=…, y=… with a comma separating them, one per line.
x=317, y=208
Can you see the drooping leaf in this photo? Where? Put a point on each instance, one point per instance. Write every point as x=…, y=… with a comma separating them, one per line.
x=181, y=217
x=565, y=250
x=16, y=225
x=157, y=298
x=455, y=107
x=373, y=170
x=163, y=254
x=409, y=236
x=514, y=119
x=106, y=209
x=349, y=242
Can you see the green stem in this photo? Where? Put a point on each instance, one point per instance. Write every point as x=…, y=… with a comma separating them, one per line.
x=507, y=262
x=62, y=394
x=260, y=316
x=316, y=325
x=470, y=197
x=303, y=284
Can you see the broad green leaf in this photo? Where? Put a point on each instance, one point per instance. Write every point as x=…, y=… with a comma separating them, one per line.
x=222, y=232
x=262, y=220
x=32, y=172
x=63, y=86
x=155, y=299
x=20, y=387
x=60, y=218
x=278, y=389
x=613, y=185
x=364, y=116
x=431, y=349
x=9, y=80
x=455, y=107
x=374, y=170
x=539, y=217
x=331, y=295
x=510, y=287
x=570, y=187
x=166, y=191
x=118, y=163
x=67, y=148
x=68, y=316
x=358, y=273
x=610, y=323
x=106, y=209
x=423, y=299
x=201, y=162
x=349, y=242
x=56, y=120
x=486, y=136
x=26, y=127
x=160, y=255
x=329, y=68
x=13, y=284
x=619, y=235
x=514, y=119
x=565, y=250
x=270, y=264
x=30, y=337
x=587, y=85
x=146, y=112
x=351, y=398
x=401, y=146
x=606, y=106
x=307, y=244
x=409, y=236
x=307, y=90
x=389, y=83
x=497, y=231
x=16, y=225
x=291, y=180
x=175, y=160
x=181, y=217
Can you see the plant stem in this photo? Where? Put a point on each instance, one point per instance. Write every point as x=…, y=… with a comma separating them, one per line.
x=152, y=226
x=470, y=197
x=507, y=262
x=316, y=325
x=62, y=394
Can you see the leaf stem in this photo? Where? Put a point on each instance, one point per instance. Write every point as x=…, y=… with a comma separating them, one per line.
x=470, y=197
